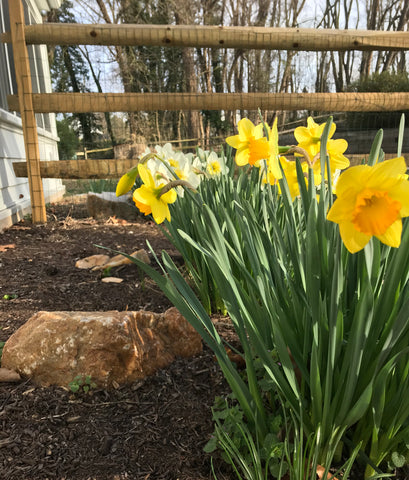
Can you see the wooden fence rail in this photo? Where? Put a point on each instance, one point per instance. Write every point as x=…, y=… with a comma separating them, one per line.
x=132, y=102
x=260, y=38
x=111, y=168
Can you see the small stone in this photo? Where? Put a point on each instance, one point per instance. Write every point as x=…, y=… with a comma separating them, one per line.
x=112, y=280
x=7, y=375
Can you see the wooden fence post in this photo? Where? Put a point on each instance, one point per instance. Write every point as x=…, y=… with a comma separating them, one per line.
x=24, y=87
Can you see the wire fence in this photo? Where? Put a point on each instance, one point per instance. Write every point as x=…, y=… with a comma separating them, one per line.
x=29, y=103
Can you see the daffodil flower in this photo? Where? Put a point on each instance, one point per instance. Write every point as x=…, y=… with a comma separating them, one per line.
x=213, y=165
x=371, y=201
x=150, y=198
x=250, y=143
x=309, y=139
x=290, y=172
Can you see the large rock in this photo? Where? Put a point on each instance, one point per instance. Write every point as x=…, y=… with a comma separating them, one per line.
x=107, y=204
x=111, y=347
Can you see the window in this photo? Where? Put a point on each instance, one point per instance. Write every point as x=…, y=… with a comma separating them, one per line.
x=7, y=74
x=38, y=65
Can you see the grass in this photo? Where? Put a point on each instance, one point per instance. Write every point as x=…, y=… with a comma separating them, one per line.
x=76, y=187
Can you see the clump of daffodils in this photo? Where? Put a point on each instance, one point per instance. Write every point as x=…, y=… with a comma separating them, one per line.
x=371, y=200
x=165, y=174
x=258, y=146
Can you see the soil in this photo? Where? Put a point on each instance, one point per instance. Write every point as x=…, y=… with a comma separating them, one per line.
x=154, y=429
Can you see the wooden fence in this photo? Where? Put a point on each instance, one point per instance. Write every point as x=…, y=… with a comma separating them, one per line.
x=298, y=39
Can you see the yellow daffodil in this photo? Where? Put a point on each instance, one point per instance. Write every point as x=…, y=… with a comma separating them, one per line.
x=309, y=138
x=290, y=173
x=150, y=199
x=250, y=143
x=371, y=201
x=126, y=182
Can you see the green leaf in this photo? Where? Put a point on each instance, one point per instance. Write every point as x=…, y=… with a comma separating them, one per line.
x=398, y=459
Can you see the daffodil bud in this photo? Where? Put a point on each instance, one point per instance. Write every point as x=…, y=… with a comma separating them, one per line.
x=126, y=182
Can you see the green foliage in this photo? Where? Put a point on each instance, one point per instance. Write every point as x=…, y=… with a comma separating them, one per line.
x=11, y=296
x=1, y=348
x=69, y=142
x=70, y=73
x=75, y=187
x=82, y=384
x=378, y=82
x=106, y=272
x=233, y=436
x=324, y=329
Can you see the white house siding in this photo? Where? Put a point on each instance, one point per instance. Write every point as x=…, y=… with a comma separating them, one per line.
x=14, y=192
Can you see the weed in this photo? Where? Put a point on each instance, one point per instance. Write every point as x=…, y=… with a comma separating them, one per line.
x=82, y=383
x=12, y=296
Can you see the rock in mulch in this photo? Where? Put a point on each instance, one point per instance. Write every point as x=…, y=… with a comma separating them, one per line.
x=92, y=261
x=112, y=280
x=7, y=375
x=112, y=348
x=102, y=262
x=107, y=204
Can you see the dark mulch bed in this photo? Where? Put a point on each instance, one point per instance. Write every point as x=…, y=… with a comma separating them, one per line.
x=152, y=429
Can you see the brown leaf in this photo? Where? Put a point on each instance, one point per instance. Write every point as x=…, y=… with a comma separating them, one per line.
x=321, y=471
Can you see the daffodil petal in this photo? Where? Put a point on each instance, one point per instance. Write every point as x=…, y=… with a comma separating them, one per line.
x=140, y=201
x=353, y=240
x=143, y=195
x=146, y=175
x=242, y=156
x=393, y=235
x=169, y=197
x=302, y=134
x=386, y=173
x=160, y=211
x=392, y=167
x=258, y=131
x=341, y=211
x=401, y=193
x=246, y=129
x=233, y=141
x=352, y=179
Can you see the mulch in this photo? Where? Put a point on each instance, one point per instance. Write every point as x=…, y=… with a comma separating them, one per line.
x=153, y=429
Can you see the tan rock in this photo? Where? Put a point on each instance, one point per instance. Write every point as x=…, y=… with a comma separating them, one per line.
x=92, y=261
x=108, y=205
x=120, y=260
x=111, y=347
x=112, y=280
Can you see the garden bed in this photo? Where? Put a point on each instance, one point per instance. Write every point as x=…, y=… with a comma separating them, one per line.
x=152, y=429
